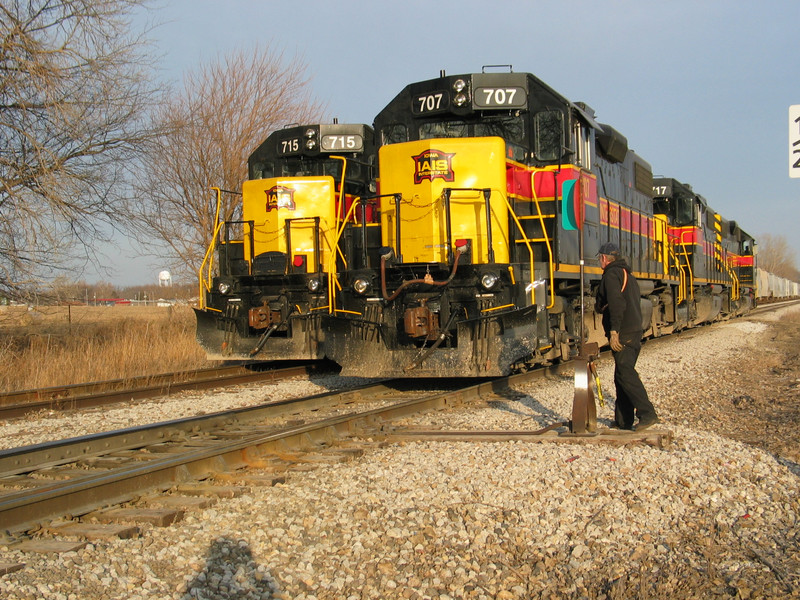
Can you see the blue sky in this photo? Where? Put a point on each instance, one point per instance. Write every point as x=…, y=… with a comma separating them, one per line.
x=701, y=88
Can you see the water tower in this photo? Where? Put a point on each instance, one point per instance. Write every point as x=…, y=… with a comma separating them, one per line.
x=164, y=279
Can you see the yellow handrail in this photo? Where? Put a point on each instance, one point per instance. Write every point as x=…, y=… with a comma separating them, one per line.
x=528, y=244
x=209, y=256
x=332, y=266
x=335, y=249
x=666, y=252
x=341, y=185
x=525, y=238
x=551, y=262
x=735, y=291
x=688, y=266
x=681, y=273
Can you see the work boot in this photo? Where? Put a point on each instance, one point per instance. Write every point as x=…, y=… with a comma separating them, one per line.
x=647, y=423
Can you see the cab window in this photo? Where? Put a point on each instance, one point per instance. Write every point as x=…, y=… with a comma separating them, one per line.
x=443, y=129
x=548, y=135
x=394, y=134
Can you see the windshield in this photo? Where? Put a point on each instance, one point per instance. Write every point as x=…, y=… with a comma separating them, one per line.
x=510, y=128
x=303, y=167
x=678, y=208
x=684, y=213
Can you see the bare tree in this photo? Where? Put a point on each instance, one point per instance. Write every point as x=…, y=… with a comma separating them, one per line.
x=776, y=256
x=224, y=112
x=74, y=84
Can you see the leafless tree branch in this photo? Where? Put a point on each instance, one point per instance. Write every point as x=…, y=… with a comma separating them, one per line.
x=75, y=84
x=225, y=110
x=776, y=256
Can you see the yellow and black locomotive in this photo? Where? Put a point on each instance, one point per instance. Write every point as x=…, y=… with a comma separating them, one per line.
x=493, y=190
x=266, y=279
x=475, y=255
x=713, y=257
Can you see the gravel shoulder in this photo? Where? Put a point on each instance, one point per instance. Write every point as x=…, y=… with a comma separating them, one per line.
x=713, y=516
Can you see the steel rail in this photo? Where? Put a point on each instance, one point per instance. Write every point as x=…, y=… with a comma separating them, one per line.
x=49, y=454
x=24, y=510
x=88, y=395
x=28, y=509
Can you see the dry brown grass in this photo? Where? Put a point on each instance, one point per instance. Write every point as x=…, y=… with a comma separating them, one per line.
x=59, y=345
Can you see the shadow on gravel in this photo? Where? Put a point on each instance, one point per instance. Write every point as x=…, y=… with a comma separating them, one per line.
x=789, y=464
x=230, y=572
x=515, y=400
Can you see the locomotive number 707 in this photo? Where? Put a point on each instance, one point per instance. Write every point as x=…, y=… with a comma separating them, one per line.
x=499, y=96
x=430, y=102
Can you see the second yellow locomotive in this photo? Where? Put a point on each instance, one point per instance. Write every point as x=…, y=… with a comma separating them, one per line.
x=266, y=283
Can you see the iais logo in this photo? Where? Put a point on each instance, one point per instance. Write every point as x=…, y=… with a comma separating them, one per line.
x=280, y=196
x=433, y=164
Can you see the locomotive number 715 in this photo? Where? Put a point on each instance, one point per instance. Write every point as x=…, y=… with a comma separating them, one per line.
x=342, y=142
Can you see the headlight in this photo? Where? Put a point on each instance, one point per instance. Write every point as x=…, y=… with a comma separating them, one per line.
x=314, y=285
x=224, y=287
x=310, y=133
x=459, y=85
x=361, y=285
x=489, y=280
x=460, y=99
x=311, y=144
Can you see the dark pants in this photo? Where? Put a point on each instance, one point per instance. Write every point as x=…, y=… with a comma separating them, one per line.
x=631, y=394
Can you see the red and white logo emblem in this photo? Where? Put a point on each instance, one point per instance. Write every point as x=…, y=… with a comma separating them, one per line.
x=433, y=164
x=280, y=196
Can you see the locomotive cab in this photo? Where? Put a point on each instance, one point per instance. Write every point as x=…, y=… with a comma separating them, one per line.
x=469, y=171
x=710, y=255
x=266, y=294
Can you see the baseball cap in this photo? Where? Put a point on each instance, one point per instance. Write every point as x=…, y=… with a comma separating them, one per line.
x=608, y=248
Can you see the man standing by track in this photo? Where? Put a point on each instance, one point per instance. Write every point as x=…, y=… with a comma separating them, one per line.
x=618, y=300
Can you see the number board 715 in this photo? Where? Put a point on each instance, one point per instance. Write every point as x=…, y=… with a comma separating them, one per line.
x=344, y=143
x=289, y=146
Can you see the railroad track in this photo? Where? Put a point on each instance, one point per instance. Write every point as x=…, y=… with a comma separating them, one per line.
x=48, y=486
x=772, y=305
x=73, y=479
x=87, y=395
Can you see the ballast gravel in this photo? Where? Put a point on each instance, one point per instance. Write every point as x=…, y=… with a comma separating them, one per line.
x=713, y=516
x=53, y=425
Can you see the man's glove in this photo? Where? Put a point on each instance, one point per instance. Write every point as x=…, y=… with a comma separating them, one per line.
x=614, y=341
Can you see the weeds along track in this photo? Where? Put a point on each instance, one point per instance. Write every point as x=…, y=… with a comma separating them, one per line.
x=87, y=395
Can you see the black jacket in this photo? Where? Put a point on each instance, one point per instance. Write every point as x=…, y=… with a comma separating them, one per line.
x=620, y=307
